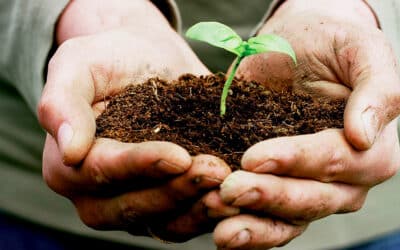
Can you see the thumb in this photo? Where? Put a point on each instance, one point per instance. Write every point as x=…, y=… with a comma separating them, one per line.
x=374, y=102
x=65, y=110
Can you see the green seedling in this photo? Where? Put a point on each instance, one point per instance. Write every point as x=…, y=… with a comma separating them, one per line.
x=220, y=35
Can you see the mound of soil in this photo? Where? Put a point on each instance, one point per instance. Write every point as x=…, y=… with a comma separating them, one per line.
x=186, y=112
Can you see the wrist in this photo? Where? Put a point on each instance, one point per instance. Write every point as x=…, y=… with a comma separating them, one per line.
x=355, y=11
x=85, y=17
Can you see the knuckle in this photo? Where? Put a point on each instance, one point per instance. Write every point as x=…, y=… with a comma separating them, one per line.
x=313, y=208
x=391, y=171
x=354, y=206
x=336, y=165
x=294, y=232
x=354, y=200
x=45, y=110
x=96, y=171
x=282, y=233
x=88, y=215
x=385, y=174
x=129, y=215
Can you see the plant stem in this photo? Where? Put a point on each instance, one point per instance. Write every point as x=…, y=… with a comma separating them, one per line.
x=227, y=85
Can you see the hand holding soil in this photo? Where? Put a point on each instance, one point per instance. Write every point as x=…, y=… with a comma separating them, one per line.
x=142, y=188
x=303, y=178
x=295, y=179
x=156, y=188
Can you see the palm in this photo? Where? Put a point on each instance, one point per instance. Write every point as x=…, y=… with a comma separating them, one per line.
x=329, y=59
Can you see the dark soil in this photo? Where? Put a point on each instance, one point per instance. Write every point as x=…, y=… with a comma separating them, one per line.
x=186, y=112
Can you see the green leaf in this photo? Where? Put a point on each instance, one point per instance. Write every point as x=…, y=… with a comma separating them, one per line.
x=270, y=43
x=216, y=34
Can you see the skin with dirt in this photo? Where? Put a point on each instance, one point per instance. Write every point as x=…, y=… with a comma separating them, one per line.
x=186, y=112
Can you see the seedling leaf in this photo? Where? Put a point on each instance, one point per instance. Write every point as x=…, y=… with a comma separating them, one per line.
x=270, y=43
x=220, y=35
x=216, y=34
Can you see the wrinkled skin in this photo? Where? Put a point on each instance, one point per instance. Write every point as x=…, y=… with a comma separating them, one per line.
x=152, y=188
x=293, y=181
x=126, y=186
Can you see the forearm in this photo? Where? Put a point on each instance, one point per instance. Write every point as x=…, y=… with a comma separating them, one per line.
x=85, y=17
x=351, y=10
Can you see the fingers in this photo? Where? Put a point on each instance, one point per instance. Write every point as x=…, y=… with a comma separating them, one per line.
x=111, y=164
x=326, y=89
x=250, y=232
x=369, y=109
x=298, y=201
x=326, y=156
x=375, y=100
x=216, y=208
x=201, y=218
x=125, y=210
x=65, y=106
x=112, y=161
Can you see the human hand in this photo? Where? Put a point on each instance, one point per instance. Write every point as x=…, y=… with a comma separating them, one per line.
x=341, y=54
x=289, y=182
x=150, y=189
x=145, y=188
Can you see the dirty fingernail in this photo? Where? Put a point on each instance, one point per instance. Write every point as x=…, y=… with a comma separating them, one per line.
x=266, y=167
x=248, y=198
x=168, y=167
x=371, y=124
x=206, y=181
x=240, y=239
x=64, y=136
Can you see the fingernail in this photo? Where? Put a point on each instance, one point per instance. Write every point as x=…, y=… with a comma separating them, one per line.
x=64, y=136
x=240, y=239
x=169, y=167
x=231, y=181
x=266, y=167
x=248, y=198
x=205, y=181
x=229, y=187
x=225, y=212
x=371, y=124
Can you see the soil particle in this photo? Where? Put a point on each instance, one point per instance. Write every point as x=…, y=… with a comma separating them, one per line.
x=186, y=112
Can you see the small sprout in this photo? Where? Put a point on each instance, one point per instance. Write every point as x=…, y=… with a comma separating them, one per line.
x=220, y=35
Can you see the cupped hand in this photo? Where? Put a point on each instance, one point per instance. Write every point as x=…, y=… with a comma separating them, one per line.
x=151, y=188
x=288, y=182
x=86, y=70
x=337, y=58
